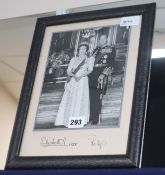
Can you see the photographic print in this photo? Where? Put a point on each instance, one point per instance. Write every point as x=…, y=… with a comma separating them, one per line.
x=97, y=59
x=84, y=96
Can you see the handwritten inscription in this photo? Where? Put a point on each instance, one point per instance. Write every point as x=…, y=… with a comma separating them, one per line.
x=95, y=141
x=45, y=142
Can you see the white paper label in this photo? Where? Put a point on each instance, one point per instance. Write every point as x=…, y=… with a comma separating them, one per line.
x=76, y=122
x=130, y=21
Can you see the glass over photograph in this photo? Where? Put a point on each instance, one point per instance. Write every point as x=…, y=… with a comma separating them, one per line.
x=84, y=96
x=84, y=79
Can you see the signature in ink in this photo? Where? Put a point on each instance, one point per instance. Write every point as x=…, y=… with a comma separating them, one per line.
x=45, y=142
x=95, y=141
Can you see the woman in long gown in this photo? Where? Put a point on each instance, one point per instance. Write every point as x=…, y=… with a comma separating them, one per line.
x=75, y=101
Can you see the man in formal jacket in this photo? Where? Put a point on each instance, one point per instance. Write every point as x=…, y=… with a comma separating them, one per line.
x=104, y=60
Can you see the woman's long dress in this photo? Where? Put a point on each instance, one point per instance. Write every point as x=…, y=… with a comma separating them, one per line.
x=75, y=101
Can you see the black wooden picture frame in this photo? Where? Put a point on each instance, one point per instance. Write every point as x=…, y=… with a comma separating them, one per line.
x=138, y=110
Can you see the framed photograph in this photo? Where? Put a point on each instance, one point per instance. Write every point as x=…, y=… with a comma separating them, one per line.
x=83, y=101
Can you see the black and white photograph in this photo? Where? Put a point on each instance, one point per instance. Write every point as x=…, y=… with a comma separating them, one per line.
x=84, y=79
x=84, y=94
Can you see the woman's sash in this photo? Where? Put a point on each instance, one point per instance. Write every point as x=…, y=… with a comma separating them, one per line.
x=76, y=70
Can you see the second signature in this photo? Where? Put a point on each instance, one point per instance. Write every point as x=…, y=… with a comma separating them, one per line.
x=95, y=141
